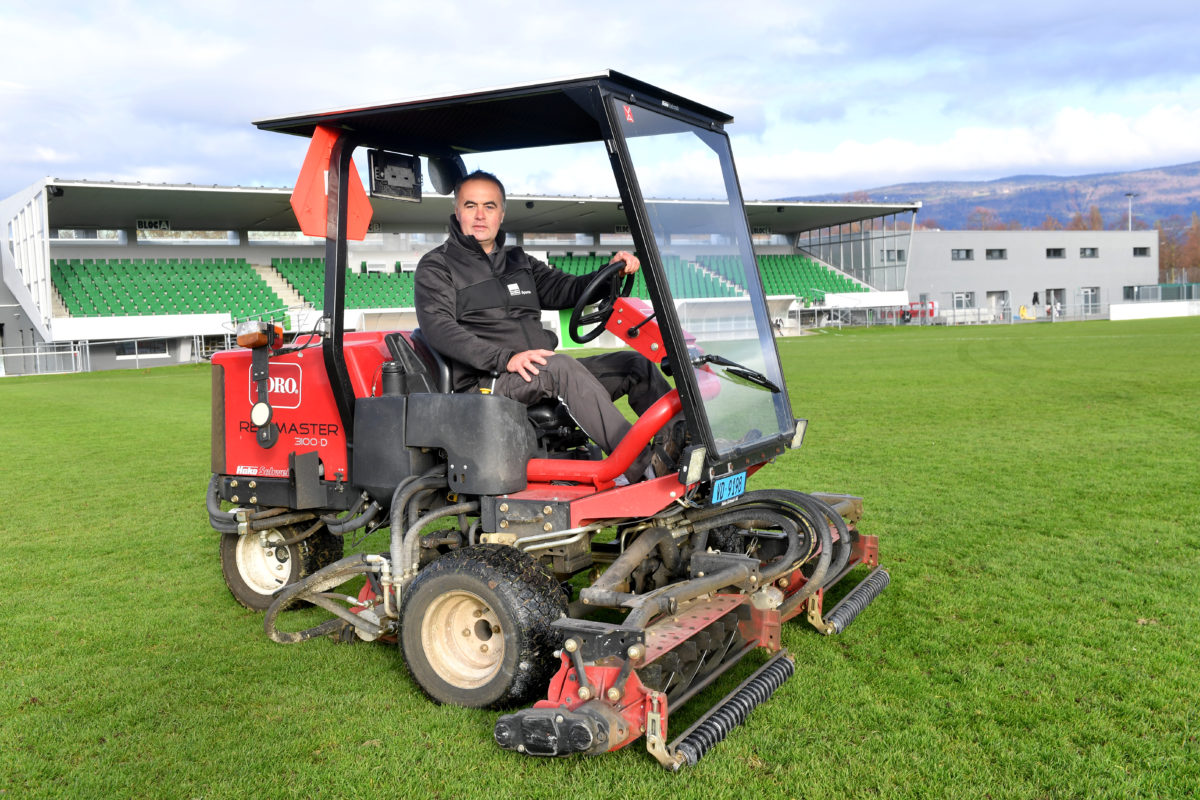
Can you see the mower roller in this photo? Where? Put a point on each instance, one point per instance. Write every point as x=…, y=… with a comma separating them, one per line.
x=521, y=568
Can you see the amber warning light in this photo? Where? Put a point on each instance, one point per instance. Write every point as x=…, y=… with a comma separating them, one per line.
x=256, y=333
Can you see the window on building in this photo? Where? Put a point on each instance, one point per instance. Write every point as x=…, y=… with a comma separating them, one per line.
x=1089, y=252
x=83, y=233
x=962, y=255
x=996, y=254
x=1141, y=252
x=143, y=348
x=964, y=300
x=1056, y=252
x=1091, y=299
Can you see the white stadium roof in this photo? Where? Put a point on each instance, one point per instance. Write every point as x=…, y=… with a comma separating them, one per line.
x=118, y=206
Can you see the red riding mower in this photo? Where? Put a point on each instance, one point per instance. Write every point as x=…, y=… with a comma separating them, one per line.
x=518, y=568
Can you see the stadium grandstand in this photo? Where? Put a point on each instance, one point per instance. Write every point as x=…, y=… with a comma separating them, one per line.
x=109, y=275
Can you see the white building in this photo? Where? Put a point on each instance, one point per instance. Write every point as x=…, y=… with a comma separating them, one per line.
x=987, y=275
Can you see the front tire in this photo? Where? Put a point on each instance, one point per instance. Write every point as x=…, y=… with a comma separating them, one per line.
x=476, y=627
x=254, y=573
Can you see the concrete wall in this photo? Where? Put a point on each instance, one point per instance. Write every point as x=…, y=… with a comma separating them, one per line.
x=1177, y=308
x=24, y=269
x=103, y=356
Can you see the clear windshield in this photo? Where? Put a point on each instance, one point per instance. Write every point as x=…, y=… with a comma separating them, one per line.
x=695, y=214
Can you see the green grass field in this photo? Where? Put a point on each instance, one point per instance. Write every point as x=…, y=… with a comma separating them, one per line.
x=1036, y=491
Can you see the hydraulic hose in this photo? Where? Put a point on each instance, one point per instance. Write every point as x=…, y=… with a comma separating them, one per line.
x=735, y=574
x=414, y=504
x=300, y=537
x=410, y=545
x=603, y=591
x=743, y=514
x=351, y=512
x=310, y=588
x=221, y=521
x=435, y=476
x=266, y=523
x=843, y=546
x=804, y=510
x=760, y=515
x=352, y=522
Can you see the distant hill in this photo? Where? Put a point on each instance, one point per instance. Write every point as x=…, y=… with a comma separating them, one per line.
x=1027, y=199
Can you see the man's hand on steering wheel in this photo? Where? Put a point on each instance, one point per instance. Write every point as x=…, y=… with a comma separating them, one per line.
x=603, y=290
x=632, y=264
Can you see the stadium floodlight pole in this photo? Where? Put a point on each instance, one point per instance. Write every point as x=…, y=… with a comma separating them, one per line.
x=1129, y=196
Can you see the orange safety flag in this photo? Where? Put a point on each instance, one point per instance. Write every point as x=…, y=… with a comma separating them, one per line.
x=312, y=187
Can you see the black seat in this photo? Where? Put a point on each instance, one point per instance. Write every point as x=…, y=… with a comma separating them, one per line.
x=441, y=368
x=552, y=422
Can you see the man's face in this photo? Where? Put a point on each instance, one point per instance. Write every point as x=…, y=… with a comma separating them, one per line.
x=480, y=211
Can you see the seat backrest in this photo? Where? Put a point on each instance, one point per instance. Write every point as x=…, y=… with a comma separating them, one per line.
x=553, y=424
x=440, y=367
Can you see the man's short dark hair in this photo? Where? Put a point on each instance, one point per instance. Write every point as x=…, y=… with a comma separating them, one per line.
x=480, y=175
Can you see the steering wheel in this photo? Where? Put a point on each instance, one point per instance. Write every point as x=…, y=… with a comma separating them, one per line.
x=604, y=289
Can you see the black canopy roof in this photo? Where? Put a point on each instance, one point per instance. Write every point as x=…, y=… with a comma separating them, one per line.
x=530, y=115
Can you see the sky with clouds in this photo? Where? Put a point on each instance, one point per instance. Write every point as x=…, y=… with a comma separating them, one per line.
x=828, y=96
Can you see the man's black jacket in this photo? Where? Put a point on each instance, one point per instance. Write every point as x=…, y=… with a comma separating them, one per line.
x=479, y=317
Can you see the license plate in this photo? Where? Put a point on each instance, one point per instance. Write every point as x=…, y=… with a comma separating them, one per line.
x=728, y=488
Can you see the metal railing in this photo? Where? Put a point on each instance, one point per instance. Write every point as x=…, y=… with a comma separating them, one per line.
x=45, y=359
x=905, y=316
x=1162, y=292
x=68, y=357
x=1007, y=316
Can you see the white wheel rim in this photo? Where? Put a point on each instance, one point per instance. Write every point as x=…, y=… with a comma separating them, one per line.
x=462, y=639
x=262, y=569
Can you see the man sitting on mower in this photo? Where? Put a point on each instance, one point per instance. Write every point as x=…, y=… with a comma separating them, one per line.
x=479, y=304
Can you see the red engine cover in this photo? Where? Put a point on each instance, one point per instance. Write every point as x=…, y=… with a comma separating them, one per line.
x=302, y=405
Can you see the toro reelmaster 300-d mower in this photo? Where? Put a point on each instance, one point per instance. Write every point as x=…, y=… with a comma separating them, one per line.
x=519, y=566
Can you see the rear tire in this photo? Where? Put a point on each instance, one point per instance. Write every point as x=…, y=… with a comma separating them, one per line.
x=254, y=573
x=476, y=627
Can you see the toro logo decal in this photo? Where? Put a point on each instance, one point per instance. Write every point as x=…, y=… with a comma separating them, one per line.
x=283, y=386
